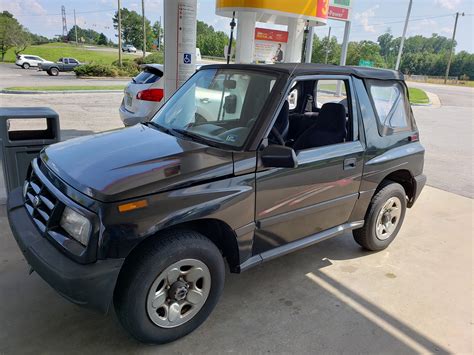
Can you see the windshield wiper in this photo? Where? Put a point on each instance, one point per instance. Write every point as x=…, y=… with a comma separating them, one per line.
x=193, y=136
x=157, y=126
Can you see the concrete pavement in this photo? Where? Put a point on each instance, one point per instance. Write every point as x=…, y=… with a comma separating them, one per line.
x=334, y=297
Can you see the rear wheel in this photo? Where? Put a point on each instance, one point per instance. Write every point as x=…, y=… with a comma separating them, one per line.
x=25, y=66
x=170, y=287
x=53, y=71
x=384, y=217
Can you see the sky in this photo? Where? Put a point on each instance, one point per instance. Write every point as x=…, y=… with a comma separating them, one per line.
x=371, y=18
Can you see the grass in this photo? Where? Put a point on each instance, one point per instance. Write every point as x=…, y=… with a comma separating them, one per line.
x=54, y=51
x=418, y=96
x=65, y=88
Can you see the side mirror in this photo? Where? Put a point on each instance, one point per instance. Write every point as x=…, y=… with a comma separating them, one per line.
x=279, y=156
x=230, y=104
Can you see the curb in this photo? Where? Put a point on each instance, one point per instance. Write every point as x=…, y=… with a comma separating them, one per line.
x=60, y=92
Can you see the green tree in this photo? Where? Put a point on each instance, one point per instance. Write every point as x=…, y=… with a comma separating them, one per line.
x=158, y=33
x=12, y=34
x=132, y=28
x=321, y=46
x=210, y=41
x=102, y=40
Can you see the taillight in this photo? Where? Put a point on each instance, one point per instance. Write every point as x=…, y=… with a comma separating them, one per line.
x=151, y=95
x=414, y=138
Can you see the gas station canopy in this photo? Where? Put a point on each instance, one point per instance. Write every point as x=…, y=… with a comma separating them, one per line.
x=278, y=11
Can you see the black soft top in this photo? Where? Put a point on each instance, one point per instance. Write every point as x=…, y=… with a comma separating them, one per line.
x=299, y=69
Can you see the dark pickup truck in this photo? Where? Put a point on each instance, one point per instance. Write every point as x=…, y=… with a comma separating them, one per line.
x=142, y=218
x=62, y=65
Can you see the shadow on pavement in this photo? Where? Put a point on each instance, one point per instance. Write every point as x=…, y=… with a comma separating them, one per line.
x=276, y=307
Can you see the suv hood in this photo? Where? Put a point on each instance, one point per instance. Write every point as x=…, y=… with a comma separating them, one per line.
x=133, y=162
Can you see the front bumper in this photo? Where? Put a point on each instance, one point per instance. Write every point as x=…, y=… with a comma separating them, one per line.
x=90, y=285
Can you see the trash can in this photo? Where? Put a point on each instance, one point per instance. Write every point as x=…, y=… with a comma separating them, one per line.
x=24, y=131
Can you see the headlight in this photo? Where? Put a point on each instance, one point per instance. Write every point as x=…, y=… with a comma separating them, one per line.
x=76, y=225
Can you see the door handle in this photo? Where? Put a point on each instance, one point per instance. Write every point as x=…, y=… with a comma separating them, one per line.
x=350, y=163
x=205, y=100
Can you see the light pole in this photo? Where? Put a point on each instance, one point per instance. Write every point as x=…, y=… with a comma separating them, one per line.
x=327, y=46
x=400, y=50
x=452, y=47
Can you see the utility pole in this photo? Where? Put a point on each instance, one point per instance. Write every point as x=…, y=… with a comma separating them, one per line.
x=63, y=14
x=159, y=35
x=345, y=46
x=75, y=26
x=400, y=50
x=119, y=27
x=327, y=46
x=452, y=47
x=144, y=28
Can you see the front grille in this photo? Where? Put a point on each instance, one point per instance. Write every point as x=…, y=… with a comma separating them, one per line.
x=41, y=204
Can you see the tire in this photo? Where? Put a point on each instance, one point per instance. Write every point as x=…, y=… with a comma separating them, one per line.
x=25, y=66
x=53, y=71
x=146, y=275
x=391, y=199
x=49, y=73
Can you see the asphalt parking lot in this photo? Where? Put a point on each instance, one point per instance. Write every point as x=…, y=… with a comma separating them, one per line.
x=414, y=297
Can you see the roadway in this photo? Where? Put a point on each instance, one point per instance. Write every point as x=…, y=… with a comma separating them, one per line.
x=447, y=133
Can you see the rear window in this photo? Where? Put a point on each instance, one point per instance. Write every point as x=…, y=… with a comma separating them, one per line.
x=391, y=105
x=147, y=77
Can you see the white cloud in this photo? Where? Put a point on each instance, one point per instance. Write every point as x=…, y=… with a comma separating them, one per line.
x=447, y=30
x=448, y=4
x=23, y=7
x=365, y=16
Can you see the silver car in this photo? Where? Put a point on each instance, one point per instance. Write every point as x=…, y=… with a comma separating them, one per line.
x=143, y=96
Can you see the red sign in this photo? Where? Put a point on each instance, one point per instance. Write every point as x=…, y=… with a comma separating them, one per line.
x=322, y=9
x=338, y=13
x=264, y=34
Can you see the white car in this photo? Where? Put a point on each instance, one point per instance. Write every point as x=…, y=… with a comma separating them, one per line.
x=26, y=61
x=129, y=48
x=143, y=96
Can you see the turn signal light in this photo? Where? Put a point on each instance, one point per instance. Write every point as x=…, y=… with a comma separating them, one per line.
x=132, y=206
x=414, y=138
x=151, y=95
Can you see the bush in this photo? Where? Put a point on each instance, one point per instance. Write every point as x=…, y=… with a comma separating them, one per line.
x=154, y=58
x=96, y=69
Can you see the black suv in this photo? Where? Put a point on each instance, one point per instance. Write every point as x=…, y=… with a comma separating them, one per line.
x=243, y=162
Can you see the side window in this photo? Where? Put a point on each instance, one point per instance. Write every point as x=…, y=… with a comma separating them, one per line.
x=330, y=91
x=72, y=61
x=390, y=104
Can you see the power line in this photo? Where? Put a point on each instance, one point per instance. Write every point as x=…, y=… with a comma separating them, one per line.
x=58, y=14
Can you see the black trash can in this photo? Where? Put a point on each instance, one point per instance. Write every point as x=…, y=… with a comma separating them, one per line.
x=24, y=131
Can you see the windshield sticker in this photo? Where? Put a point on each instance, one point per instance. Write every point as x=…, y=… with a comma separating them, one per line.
x=231, y=138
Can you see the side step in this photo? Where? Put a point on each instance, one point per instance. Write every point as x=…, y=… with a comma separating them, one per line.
x=299, y=244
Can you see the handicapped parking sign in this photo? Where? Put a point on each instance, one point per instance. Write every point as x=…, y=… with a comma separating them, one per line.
x=187, y=58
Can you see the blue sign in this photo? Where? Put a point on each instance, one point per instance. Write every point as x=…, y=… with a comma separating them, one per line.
x=187, y=58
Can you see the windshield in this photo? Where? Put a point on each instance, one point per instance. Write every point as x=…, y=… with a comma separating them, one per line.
x=218, y=106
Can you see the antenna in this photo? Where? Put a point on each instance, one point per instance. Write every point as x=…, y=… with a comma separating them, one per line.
x=63, y=14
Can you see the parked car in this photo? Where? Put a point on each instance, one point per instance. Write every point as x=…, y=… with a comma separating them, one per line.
x=143, y=96
x=26, y=61
x=62, y=65
x=142, y=218
x=130, y=48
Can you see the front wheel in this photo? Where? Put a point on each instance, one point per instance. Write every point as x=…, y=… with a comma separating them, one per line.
x=170, y=287
x=26, y=66
x=384, y=218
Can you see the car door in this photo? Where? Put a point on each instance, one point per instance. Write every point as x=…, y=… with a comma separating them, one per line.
x=72, y=63
x=319, y=194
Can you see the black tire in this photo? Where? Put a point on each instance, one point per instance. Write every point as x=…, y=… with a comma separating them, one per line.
x=25, y=66
x=143, y=268
x=49, y=73
x=53, y=71
x=367, y=236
